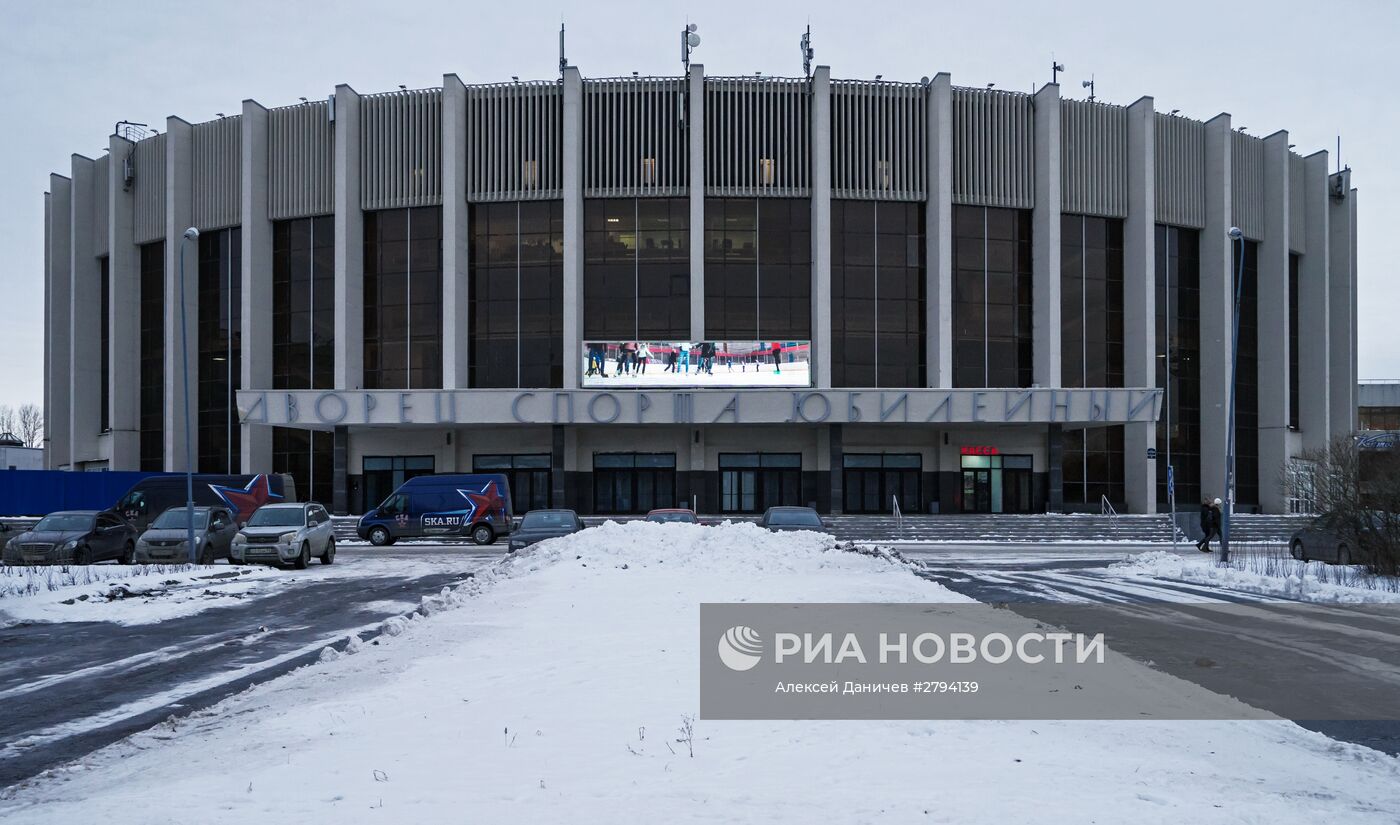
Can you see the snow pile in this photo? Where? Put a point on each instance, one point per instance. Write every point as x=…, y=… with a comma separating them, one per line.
x=1282, y=578
x=562, y=686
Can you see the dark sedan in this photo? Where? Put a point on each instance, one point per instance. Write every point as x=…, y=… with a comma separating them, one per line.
x=74, y=537
x=539, y=525
x=673, y=515
x=786, y=519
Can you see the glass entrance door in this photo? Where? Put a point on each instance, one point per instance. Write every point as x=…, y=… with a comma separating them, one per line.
x=753, y=482
x=977, y=491
x=997, y=484
x=633, y=483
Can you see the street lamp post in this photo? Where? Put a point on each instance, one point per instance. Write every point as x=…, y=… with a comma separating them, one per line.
x=1238, y=238
x=190, y=235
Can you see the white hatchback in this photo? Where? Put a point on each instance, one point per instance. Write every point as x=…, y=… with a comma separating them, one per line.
x=285, y=534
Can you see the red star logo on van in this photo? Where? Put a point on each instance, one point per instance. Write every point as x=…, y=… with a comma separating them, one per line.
x=489, y=500
x=243, y=501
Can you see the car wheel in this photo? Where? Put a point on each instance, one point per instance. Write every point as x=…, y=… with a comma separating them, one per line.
x=128, y=554
x=379, y=537
x=328, y=557
x=82, y=555
x=206, y=555
x=304, y=559
x=1343, y=554
x=483, y=534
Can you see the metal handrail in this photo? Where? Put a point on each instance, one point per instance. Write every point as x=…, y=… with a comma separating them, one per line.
x=898, y=515
x=1106, y=509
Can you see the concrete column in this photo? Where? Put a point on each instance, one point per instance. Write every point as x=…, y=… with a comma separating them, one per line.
x=349, y=244
x=836, y=457
x=558, y=474
x=938, y=230
x=573, y=225
x=1341, y=354
x=456, y=235
x=697, y=202
x=821, y=227
x=1272, y=295
x=1313, y=316
x=1055, y=468
x=1217, y=308
x=85, y=347
x=124, y=272
x=1139, y=302
x=179, y=216
x=58, y=256
x=1045, y=240
x=340, y=470
x=256, y=333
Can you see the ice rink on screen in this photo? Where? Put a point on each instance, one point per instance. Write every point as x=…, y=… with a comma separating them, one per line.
x=794, y=374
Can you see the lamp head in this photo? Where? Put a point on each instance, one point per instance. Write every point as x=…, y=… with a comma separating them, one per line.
x=1235, y=233
x=191, y=233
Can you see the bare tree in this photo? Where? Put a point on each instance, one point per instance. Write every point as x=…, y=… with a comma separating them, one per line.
x=7, y=420
x=30, y=424
x=1360, y=490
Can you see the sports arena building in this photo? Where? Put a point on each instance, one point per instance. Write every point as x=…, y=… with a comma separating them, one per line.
x=959, y=299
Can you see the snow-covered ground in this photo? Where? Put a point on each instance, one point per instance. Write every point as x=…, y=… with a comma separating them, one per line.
x=559, y=686
x=1267, y=576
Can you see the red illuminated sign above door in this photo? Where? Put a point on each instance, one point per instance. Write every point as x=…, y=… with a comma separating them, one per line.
x=982, y=450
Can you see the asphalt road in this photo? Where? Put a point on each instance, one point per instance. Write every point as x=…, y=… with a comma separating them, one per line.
x=69, y=688
x=1290, y=658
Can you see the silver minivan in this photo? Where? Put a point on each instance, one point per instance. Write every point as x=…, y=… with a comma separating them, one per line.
x=285, y=534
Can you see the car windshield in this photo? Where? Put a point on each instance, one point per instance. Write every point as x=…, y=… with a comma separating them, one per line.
x=795, y=518
x=277, y=517
x=63, y=522
x=176, y=520
x=547, y=521
x=688, y=518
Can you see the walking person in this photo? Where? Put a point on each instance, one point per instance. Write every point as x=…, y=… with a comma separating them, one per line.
x=1210, y=524
x=777, y=350
x=644, y=356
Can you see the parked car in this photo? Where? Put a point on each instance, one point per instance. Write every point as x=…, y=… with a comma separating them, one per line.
x=475, y=506
x=785, y=519
x=539, y=525
x=1326, y=539
x=286, y=534
x=150, y=497
x=73, y=537
x=167, y=540
x=672, y=515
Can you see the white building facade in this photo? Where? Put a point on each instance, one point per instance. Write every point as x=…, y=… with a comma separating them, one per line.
x=986, y=301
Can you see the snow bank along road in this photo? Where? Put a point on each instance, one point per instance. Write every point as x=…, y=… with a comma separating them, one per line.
x=1260, y=645
x=70, y=687
x=561, y=686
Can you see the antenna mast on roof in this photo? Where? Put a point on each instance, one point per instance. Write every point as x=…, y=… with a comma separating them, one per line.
x=563, y=61
x=807, y=52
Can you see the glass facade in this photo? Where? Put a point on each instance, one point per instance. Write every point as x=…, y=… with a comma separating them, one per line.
x=872, y=481
x=403, y=298
x=1091, y=301
x=105, y=343
x=1178, y=350
x=753, y=482
x=633, y=483
x=636, y=269
x=992, y=334
x=1247, y=379
x=758, y=269
x=1093, y=466
x=1293, y=341
x=307, y=455
x=529, y=477
x=384, y=473
x=303, y=304
x=1379, y=418
x=152, y=358
x=220, y=318
x=517, y=294
x=877, y=294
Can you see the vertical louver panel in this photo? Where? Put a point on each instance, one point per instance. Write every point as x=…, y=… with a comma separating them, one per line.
x=993, y=148
x=879, y=140
x=634, y=137
x=758, y=137
x=301, y=161
x=401, y=149
x=101, y=187
x=1247, y=184
x=1180, y=171
x=218, y=164
x=1297, y=205
x=515, y=138
x=1093, y=159
x=148, y=190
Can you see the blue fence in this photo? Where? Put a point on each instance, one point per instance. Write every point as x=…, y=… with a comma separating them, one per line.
x=40, y=492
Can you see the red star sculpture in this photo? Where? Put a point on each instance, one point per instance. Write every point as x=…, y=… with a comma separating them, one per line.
x=245, y=500
x=488, y=499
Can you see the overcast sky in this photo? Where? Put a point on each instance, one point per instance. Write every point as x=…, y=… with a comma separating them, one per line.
x=72, y=69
